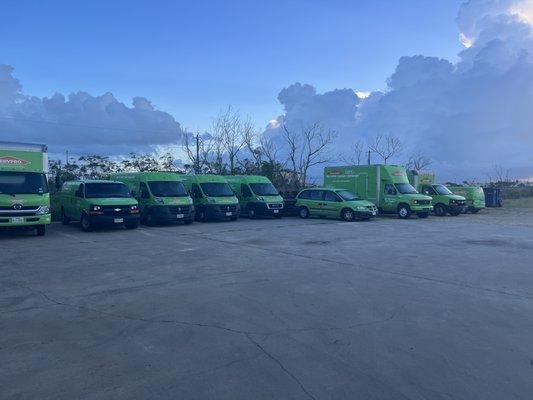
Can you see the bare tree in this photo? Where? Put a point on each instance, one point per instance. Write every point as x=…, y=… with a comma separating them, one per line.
x=418, y=162
x=386, y=146
x=229, y=128
x=354, y=155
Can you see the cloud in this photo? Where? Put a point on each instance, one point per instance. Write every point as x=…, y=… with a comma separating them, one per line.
x=82, y=123
x=467, y=116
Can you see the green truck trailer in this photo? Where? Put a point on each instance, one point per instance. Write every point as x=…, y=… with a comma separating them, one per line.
x=443, y=199
x=24, y=195
x=387, y=186
x=257, y=195
x=162, y=196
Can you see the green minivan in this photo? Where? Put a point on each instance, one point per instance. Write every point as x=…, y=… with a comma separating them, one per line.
x=334, y=203
x=212, y=197
x=162, y=196
x=98, y=203
x=257, y=195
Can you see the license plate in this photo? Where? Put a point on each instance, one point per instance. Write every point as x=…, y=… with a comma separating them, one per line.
x=276, y=211
x=229, y=214
x=17, y=220
x=179, y=216
x=119, y=220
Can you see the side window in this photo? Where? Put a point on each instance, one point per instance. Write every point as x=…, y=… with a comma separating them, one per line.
x=316, y=195
x=390, y=189
x=331, y=196
x=304, y=195
x=80, y=190
x=196, y=192
x=245, y=191
x=145, y=193
x=428, y=190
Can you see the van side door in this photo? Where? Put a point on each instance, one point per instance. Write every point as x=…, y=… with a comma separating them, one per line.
x=390, y=197
x=196, y=193
x=78, y=200
x=143, y=196
x=315, y=201
x=331, y=204
x=246, y=195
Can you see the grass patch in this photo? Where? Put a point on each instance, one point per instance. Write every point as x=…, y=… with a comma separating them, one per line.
x=523, y=202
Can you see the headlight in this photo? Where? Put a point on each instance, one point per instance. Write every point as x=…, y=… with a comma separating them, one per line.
x=259, y=198
x=414, y=202
x=211, y=200
x=95, y=208
x=159, y=200
x=43, y=210
x=190, y=200
x=134, y=207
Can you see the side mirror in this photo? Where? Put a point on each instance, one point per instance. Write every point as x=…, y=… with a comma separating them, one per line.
x=78, y=193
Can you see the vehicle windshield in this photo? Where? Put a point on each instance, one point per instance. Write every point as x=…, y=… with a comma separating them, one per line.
x=346, y=195
x=405, y=188
x=167, y=189
x=218, y=189
x=441, y=189
x=106, y=190
x=264, y=189
x=23, y=183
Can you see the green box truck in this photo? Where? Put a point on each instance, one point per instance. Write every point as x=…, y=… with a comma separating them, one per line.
x=257, y=195
x=98, y=203
x=212, y=197
x=444, y=201
x=162, y=196
x=24, y=195
x=387, y=186
x=475, y=196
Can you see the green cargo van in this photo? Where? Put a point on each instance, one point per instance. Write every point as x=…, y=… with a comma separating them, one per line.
x=386, y=186
x=444, y=201
x=212, y=197
x=24, y=196
x=333, y=203
x=98, y=203
x=162, y=196
x=257, y=196
x=475, y=197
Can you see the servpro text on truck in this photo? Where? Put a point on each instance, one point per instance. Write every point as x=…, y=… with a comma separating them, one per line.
x=24, y=196
x=386, y=186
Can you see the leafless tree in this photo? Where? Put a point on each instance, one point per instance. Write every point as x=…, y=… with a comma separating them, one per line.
x=230, y=128
x=418, y=162
x=354, y=155
x=386, y=146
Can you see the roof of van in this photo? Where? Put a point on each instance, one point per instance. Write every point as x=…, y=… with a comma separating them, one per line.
x=149, y=176
x=247, y=178
x=91, y=181
x=203, y=178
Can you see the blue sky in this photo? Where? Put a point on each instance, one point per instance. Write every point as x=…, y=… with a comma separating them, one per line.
x=192, y=59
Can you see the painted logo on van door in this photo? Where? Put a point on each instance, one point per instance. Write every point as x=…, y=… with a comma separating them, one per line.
x=9, y=160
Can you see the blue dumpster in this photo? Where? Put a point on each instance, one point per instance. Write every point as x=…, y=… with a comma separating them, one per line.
x=493, y=197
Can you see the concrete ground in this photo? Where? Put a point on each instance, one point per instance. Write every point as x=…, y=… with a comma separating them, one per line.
x=272, y=309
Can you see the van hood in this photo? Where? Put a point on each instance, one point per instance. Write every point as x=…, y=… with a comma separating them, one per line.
x=6, y=200
x=456, y=197
x=169, y=201
x=225, y=200
x=113, y=201
x=272, y=199
x=361, y=203
x=418, y=196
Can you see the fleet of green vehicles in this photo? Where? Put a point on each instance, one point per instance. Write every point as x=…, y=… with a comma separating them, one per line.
x=24, y=194
x=257, y=195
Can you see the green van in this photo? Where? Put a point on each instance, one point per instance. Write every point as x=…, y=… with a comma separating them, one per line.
x=212, y=197
x=98, y=203
x=162, y=196
x=334, y=203
x=444, y=201
x=475, y=197
x=257, y=195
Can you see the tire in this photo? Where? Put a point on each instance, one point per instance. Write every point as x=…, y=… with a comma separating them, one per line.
x=201, y=216
x=64, y=219
x=423, y=215
x=85, y=223
x=187, y=221
x=251, y=213
x=474, y=210
x=347, y=215
x=149, y=219
x=404, y=211
x=303, y=212
x=455, y=213
x=132, y=225
x=439, y=210
x=41, y=230
x=277, y=216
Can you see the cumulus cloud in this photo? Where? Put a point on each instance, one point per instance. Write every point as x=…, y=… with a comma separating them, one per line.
x=82, y=122
x=467, y=116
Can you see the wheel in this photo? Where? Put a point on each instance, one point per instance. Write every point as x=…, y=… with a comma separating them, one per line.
x=85, y=223
x=187, y=221
x=277, y=216
x=41, y=230
x=474, y=210
x=149, y=219
x=439, y=210
x=422, y=215
x=251, y=213
x=132, y=225
x=404, y=211
x=64, y=219
x=347, y=215
x=303, y=212
x=455, y=213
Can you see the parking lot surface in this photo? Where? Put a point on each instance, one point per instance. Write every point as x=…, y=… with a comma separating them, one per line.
x=272, y=309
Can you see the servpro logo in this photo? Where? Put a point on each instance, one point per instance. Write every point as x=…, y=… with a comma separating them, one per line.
x=397, y=173
x=334, y=172
x=8, y=160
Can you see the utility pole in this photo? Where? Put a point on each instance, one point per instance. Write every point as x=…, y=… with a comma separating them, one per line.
x=66, y=155
x=197, y=153
x=368, y=157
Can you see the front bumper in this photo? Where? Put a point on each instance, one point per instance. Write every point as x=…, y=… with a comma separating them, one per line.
x=14, y=221
x=417, y=208
x=111, y=220
x=172, y=213
x=267, y=209
x=216, y=211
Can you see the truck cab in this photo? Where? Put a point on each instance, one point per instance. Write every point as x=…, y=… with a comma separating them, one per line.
x=162, y=196
x=443, y=199
x=24, y=194
x=257, y=195
x=213, y=197
x=474, y=195
x=98, y=203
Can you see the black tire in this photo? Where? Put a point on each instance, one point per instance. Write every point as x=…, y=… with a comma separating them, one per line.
x=455, y=213
x=64, y=219
x=404, y=211
x=132, y=225
x=201, y=216
x=187, y=221
x=423, y=215
x=149, y=220
x=85, y=223
x=251, y=213
x=439, y=210
x=347, y=215
x=474, y=210
x=41, y=230
x=303, y=212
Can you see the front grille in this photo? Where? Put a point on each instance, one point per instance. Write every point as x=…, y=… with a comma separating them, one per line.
x=22, y=208
x=17, y=213
x=178, y=209
x=424, y=202
x=372, y=208
x=116, y=211
x=275, y=206
x=228, y=208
